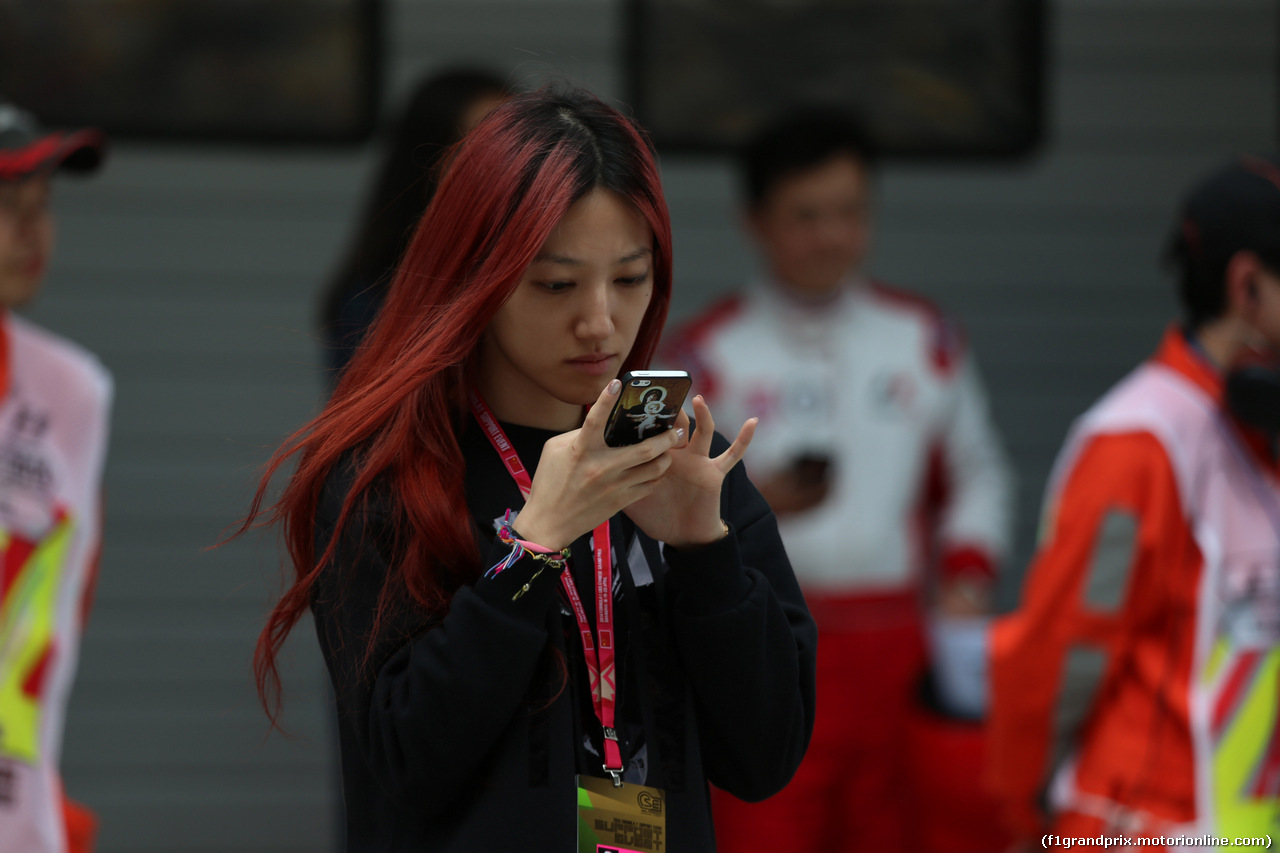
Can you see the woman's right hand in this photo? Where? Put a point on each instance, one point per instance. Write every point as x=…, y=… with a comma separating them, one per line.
x=581, y=481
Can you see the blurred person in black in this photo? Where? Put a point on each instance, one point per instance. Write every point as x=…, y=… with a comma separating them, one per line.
x=440, y=112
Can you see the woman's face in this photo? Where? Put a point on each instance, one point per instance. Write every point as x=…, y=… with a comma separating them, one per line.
x=565, y=331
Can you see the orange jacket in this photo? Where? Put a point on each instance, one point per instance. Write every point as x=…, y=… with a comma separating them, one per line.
x=1135, y=689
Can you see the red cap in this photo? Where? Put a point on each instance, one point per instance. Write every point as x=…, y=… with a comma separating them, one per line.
x=27, y=149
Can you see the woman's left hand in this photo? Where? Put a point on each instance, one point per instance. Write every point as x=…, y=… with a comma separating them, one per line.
x=684, y=509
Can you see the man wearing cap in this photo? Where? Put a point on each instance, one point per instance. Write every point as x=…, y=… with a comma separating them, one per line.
x=54, y=404
x=1135, y=690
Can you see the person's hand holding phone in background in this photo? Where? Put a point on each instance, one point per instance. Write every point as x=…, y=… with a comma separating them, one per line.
x=800, y=486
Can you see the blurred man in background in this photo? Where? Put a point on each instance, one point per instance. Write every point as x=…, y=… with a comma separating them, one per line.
x=876, y=451
x=1136, y=689
x=54, y=403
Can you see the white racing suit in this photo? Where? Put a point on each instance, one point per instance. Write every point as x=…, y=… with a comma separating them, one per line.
x=881, y=384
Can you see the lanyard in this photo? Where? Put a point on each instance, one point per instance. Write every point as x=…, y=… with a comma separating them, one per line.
x=599, y=657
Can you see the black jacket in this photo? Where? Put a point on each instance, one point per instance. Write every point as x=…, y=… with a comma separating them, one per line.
x=458, y=732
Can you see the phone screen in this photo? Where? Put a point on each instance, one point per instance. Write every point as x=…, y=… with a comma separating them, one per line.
x=647, y=405
x=811, y=469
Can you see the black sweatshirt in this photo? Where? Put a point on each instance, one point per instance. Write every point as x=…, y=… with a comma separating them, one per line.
x=456, y=734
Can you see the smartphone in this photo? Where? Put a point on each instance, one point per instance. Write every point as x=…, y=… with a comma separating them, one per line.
x=811, y=468
x=647, y=405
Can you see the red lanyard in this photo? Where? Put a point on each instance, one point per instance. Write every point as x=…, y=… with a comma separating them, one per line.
x=599, y=658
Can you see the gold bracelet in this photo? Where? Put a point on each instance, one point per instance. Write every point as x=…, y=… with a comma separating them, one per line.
x=522, y=590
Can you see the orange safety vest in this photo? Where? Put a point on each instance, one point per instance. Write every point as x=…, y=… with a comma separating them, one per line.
x=1135, y=689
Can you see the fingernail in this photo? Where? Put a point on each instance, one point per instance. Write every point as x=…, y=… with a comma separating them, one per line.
x=680, y=432
x=614, y=386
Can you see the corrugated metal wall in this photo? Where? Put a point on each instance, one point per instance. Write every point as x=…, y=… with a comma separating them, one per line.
x=193, y=272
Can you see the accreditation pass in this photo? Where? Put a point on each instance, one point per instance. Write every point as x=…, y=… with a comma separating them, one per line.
x=630, y=819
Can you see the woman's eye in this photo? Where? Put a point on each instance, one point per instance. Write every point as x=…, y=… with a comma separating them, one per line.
x=631, y=281
x=555, y=286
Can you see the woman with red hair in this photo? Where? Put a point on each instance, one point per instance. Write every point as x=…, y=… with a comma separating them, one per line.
x=454, y=506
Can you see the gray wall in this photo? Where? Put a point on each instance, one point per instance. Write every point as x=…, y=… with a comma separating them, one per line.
x=193, y=272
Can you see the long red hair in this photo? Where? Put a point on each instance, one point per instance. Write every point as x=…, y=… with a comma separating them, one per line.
x=403, y=398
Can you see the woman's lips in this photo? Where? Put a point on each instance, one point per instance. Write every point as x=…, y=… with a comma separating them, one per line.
x=596, y=364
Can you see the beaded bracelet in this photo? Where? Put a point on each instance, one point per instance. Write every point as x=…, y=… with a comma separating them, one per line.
x=520, y=548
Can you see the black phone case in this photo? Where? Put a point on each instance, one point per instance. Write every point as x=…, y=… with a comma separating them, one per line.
x=634, y=417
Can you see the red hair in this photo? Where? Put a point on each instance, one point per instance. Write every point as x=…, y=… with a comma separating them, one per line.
x=402, y=400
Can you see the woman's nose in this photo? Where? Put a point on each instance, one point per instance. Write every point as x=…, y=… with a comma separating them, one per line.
x=595, y=319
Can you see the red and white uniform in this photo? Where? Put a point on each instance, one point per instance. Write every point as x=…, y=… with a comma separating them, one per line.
x=881, y=383
x=1135, y=691
x=54, y=404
